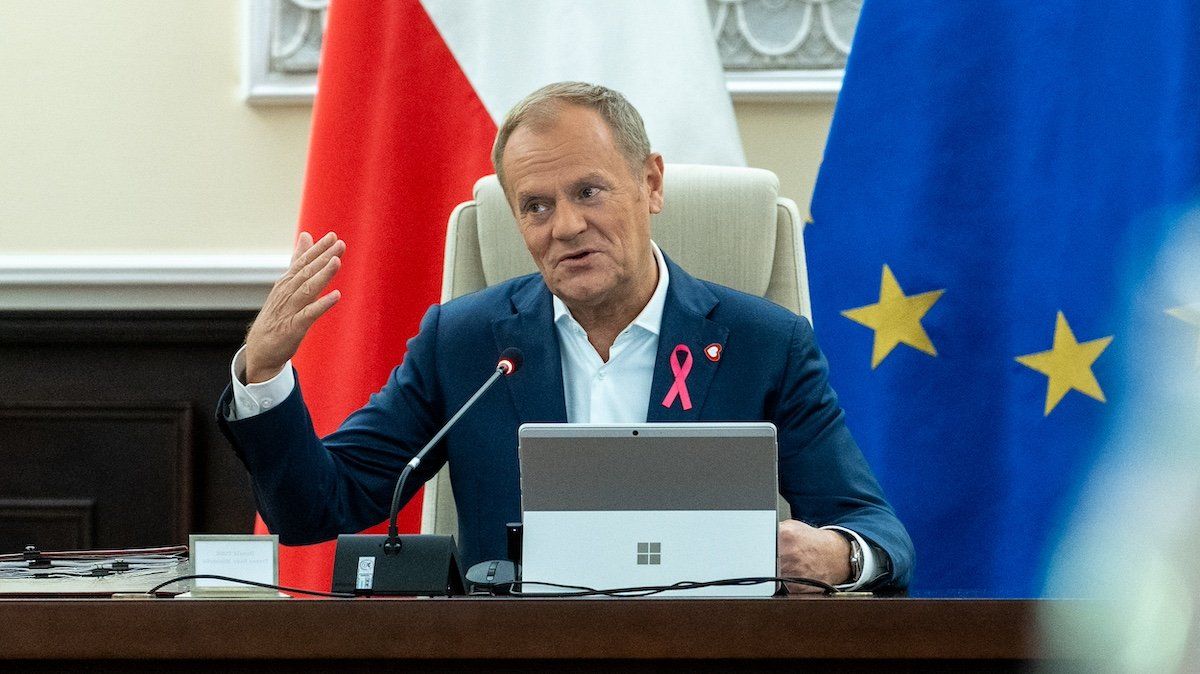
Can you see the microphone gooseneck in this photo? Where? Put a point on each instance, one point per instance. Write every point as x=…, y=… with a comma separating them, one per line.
x=510, y=361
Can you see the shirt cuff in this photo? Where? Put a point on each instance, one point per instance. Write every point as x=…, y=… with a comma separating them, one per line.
x=870, y=567
x=252, y=399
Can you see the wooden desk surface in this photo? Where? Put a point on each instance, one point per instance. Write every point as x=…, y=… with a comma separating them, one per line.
x=520, y=634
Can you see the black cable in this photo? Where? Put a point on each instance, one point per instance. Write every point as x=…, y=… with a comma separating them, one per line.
x=648, y=590
x=282, y=588
x=581, y=590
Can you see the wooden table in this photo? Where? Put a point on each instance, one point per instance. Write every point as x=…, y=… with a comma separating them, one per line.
x=526, y=635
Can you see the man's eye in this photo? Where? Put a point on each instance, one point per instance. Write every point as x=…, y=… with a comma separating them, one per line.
x=535, y=207
x=589, y=192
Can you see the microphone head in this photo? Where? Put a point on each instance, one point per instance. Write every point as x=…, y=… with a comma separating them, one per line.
x=510, y=360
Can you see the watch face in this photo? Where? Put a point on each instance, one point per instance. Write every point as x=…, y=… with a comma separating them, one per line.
x=856, y=560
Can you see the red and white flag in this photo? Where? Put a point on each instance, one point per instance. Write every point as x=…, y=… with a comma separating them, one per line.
x=410, y=93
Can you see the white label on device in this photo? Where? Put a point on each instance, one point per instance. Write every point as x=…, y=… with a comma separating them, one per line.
x=366, y=573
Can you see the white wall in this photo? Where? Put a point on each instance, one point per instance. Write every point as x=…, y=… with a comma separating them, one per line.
x=122, y=131
x=789, y=139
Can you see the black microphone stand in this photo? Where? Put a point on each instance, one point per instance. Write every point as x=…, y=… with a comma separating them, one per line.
x=412, y=564
x=393, y=544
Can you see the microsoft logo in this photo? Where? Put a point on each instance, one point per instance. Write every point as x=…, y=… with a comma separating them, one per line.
x=649, y=553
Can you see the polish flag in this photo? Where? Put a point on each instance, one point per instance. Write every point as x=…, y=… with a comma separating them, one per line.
x=410, y=94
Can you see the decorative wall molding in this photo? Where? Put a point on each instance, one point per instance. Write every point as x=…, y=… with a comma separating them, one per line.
x=788, y=49
x=771, y=86
x=282, y=46
x=772, y=49
x=138, y=281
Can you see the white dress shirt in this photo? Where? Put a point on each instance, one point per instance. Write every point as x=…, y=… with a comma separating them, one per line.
x=596, y=392
x=252, y=399
x=617, y=391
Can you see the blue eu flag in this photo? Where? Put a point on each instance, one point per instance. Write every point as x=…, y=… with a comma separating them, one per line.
x=998, y=181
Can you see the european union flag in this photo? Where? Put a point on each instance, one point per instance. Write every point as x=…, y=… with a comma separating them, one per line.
x=998, y=180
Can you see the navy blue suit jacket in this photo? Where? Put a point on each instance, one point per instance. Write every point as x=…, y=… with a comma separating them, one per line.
x=310, y=489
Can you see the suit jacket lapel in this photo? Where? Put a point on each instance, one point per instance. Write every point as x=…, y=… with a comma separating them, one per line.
x=537, y=388
x=685, y=322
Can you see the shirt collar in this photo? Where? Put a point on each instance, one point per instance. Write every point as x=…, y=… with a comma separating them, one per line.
x=650, y=319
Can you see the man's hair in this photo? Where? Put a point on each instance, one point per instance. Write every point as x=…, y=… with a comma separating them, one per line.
x=541, y=108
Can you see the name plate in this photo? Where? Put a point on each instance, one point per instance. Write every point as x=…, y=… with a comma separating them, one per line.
x=245, y=557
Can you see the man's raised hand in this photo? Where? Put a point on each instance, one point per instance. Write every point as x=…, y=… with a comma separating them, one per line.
x=294, y=303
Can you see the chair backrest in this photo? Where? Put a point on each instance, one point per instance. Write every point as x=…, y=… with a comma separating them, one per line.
x=722, y=224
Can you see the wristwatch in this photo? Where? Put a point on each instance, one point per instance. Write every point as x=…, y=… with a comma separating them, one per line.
x=856, y=558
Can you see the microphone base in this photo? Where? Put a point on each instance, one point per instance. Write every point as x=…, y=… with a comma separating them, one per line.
x=426, y=566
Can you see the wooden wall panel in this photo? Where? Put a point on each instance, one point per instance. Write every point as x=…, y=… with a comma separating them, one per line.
x=133, y=460
x=117, y=408
x=50, y=524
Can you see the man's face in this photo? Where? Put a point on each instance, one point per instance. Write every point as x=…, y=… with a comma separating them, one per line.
x=584, y=214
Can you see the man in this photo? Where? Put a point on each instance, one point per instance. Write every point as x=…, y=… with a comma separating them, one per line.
x=597, y=327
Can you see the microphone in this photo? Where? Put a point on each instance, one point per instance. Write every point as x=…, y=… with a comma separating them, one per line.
x=510, y=361
x=372, y=564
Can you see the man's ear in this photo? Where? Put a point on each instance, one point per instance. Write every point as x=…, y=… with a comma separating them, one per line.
x=653, y=169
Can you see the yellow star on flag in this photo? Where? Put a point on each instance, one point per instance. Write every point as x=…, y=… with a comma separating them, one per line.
x=1068, y=364
x=896, y=318
x=1190, y=314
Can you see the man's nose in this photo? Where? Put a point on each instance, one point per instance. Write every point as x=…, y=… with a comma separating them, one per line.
x=568, y=222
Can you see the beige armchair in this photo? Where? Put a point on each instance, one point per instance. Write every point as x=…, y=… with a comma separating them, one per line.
x=723, y=224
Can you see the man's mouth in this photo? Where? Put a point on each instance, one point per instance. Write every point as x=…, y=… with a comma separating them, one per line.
x=576, y=257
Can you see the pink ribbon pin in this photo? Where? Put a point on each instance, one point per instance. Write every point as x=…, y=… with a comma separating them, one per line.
x=680, y=370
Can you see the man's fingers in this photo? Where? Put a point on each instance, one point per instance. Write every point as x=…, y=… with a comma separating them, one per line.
x=310, y=281
x=312, y=312
x=293, y=303
x=313, y=251
x=313, y=286
x=301, y=275
x=303, y=243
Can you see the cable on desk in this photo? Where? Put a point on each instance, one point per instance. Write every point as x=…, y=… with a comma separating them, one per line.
x=579, y=590
x=269, y=586
x=648, y=590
